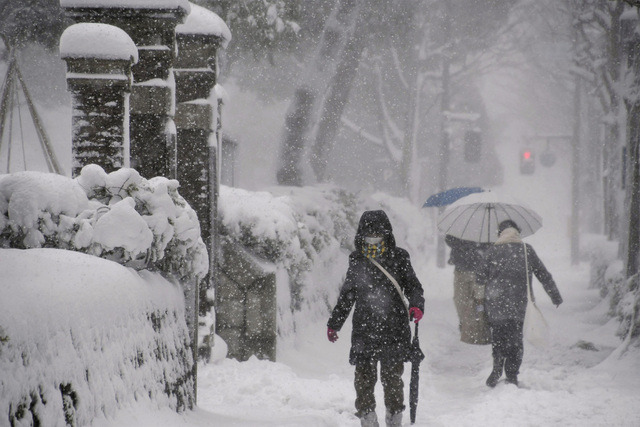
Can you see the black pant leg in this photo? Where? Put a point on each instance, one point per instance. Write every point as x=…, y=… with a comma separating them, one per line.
x=506, y=346
x=366, y=376
x=391, y=378
x=515, y=350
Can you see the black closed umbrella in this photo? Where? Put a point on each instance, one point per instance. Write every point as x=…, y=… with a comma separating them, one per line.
x=416, y=357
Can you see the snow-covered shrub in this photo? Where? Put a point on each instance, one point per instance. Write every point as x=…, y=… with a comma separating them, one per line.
x=307, y=233
x=81, y=337
x=119, y=216
x=608, y=275
x=33, y=205
x=625, y=305
x=602, y=254
x=122, y=217
x=301, y=232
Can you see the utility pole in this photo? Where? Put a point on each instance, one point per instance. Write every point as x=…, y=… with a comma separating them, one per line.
x=444, y=131
x=575, y=173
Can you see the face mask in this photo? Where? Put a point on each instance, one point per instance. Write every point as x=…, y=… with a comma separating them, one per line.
x=373, y=240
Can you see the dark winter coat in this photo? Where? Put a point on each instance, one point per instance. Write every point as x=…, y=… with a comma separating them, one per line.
x=466, y=255
x=503, y=276
x=380, y=321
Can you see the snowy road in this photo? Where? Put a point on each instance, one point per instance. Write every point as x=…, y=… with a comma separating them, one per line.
x=311, y=385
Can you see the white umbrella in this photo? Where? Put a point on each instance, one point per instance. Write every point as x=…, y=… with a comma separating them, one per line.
x=476, y=217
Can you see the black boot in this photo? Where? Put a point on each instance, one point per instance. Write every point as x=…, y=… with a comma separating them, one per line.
x=498, y=364
x=512, y=379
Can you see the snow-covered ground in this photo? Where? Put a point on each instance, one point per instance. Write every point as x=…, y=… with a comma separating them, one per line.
x=567, y=384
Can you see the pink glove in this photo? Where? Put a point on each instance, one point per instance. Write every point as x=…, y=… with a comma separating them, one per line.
x=415, y=313
x=332, y=335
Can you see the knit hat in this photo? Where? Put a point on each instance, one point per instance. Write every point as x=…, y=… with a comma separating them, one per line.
x=507, y=223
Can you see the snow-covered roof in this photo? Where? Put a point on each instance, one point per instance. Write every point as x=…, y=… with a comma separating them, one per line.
x=203, y=21
x=102, y=41
x=128, y=4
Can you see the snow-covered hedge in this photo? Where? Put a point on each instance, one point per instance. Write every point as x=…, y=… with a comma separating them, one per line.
x=81, y=337
x=95, y=342
x=119, y=216
x=307, y=233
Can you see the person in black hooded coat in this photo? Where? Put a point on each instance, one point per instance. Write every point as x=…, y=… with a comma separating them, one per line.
x=381, y=330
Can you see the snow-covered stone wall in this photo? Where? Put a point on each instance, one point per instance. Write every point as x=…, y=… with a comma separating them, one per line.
x=81, y=337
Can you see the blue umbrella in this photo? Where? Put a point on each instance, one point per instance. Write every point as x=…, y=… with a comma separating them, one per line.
x=447, y=197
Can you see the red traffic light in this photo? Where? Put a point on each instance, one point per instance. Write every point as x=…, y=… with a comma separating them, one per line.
x=527, y=162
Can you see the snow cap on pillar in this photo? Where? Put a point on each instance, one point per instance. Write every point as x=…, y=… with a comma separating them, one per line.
x=99, y=41
x=205, y=22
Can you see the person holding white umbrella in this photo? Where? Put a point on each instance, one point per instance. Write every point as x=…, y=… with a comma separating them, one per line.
x=505, y=274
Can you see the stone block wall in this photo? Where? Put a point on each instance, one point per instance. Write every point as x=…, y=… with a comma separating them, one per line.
x=246, y=306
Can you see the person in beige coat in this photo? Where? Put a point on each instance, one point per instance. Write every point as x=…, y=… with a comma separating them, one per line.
x=466, y=256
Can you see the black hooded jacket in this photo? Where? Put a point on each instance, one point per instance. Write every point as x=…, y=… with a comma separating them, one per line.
x=465, y=254
x=380, y=321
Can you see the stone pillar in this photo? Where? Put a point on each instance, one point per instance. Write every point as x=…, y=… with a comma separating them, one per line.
x=151, y=25
x=198, y=41
x=99, y=58
x=195, y=76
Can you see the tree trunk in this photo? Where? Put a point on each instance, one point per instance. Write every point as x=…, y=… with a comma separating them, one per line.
x=632, y=48
x=613, y=179
x=410, y=129
x=445, y=106
x=633, y=243
x=304, y=109
x=336, y=100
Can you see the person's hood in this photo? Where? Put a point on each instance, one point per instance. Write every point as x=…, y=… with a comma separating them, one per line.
x=375, y=222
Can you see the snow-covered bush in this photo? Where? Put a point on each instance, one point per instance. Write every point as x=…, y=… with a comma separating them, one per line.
x=119, y=216
x=602, y=254
x=625, y=305
x=300, y=231
x=608, y=275
x=307, y=233
x=140, y=346
x=81, y=337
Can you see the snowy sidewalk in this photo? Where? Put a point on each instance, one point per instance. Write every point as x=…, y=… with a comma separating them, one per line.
x=311, y=384
x=564, y=385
